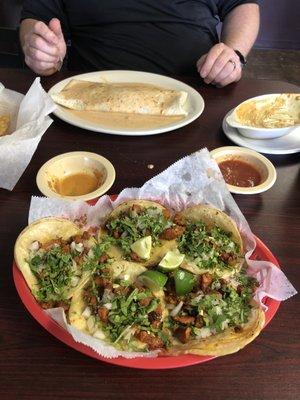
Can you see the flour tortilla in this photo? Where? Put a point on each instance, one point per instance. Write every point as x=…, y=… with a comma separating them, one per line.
x=43, y=230
x=137, y=98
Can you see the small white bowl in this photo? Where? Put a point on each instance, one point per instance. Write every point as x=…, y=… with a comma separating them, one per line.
x=252, y=132
x=265, y=168
x=77, y=162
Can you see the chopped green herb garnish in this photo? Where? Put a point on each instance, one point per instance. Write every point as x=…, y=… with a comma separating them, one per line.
x=129, y=227
x=209, y=249
x=53, y=269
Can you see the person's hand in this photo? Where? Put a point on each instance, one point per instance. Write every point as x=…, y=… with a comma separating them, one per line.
x=44, y=47
x=220, y=66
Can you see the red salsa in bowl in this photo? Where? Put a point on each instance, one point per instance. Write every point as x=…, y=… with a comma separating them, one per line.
x=244, y=170
x=239, y=173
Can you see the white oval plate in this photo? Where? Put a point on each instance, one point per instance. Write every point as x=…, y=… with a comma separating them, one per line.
x=288, y=144
x=194, y=106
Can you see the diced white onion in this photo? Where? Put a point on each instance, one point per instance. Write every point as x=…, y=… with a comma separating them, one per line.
x=107, y=296
x=76, y=269
x=198, y=298
x=218, y=310
x=115, y=285
x=79, y=247
x=108, y=306
x=87, y=313
x=90, y=253
x=35, y=246
x=129, y=334
x=224, y=324
x=72, y=245
x=74, y=281
x=124, y=277
x=99, y=334
x=91, y=324
x=204, y=333
x=176, y=310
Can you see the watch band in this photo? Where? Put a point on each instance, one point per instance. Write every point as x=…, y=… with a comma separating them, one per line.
x=241, y=57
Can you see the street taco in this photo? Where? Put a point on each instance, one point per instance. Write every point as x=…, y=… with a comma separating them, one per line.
x=211, y=241
x=189, y=294
x=127, y=306
x=215, y=316
x=143, y=231
x=115, y=307
x=54, y=256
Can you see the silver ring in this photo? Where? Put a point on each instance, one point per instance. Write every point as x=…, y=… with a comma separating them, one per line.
x=233, y=63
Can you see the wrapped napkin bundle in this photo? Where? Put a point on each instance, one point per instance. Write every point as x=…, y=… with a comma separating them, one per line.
x=24, y=121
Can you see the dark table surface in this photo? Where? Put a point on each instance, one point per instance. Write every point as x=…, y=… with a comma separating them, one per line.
x=35, y=365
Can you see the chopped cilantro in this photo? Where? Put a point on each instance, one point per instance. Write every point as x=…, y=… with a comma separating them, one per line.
x=133, y=226
x=53, y=270
x=208, y=248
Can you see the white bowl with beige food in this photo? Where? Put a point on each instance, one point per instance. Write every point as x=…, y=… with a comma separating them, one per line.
x=245, y=171
x=77, y=175
x=267, y=117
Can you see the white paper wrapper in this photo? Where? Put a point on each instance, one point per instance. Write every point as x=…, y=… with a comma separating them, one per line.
x=29, y=121
x=192, y=180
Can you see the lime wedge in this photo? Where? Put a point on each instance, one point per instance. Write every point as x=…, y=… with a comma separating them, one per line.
x=184, y=282
x=171, y=260
x=142, y=247
x=154, y=280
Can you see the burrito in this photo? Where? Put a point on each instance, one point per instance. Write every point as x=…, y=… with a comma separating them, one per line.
x=138, y=98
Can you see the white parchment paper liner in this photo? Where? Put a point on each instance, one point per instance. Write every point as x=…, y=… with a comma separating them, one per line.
x=192, y=180
x=29, y=121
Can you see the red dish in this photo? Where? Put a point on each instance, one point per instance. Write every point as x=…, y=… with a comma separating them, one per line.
x=261, y=252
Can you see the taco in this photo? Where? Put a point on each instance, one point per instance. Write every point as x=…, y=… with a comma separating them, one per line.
x=214, y=316
x=211, y=241
x=55, y=257
x=143, y=231
x=115, y=307
x=197, y=314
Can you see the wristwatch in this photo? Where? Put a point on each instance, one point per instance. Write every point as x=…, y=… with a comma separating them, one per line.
x=241, y=57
